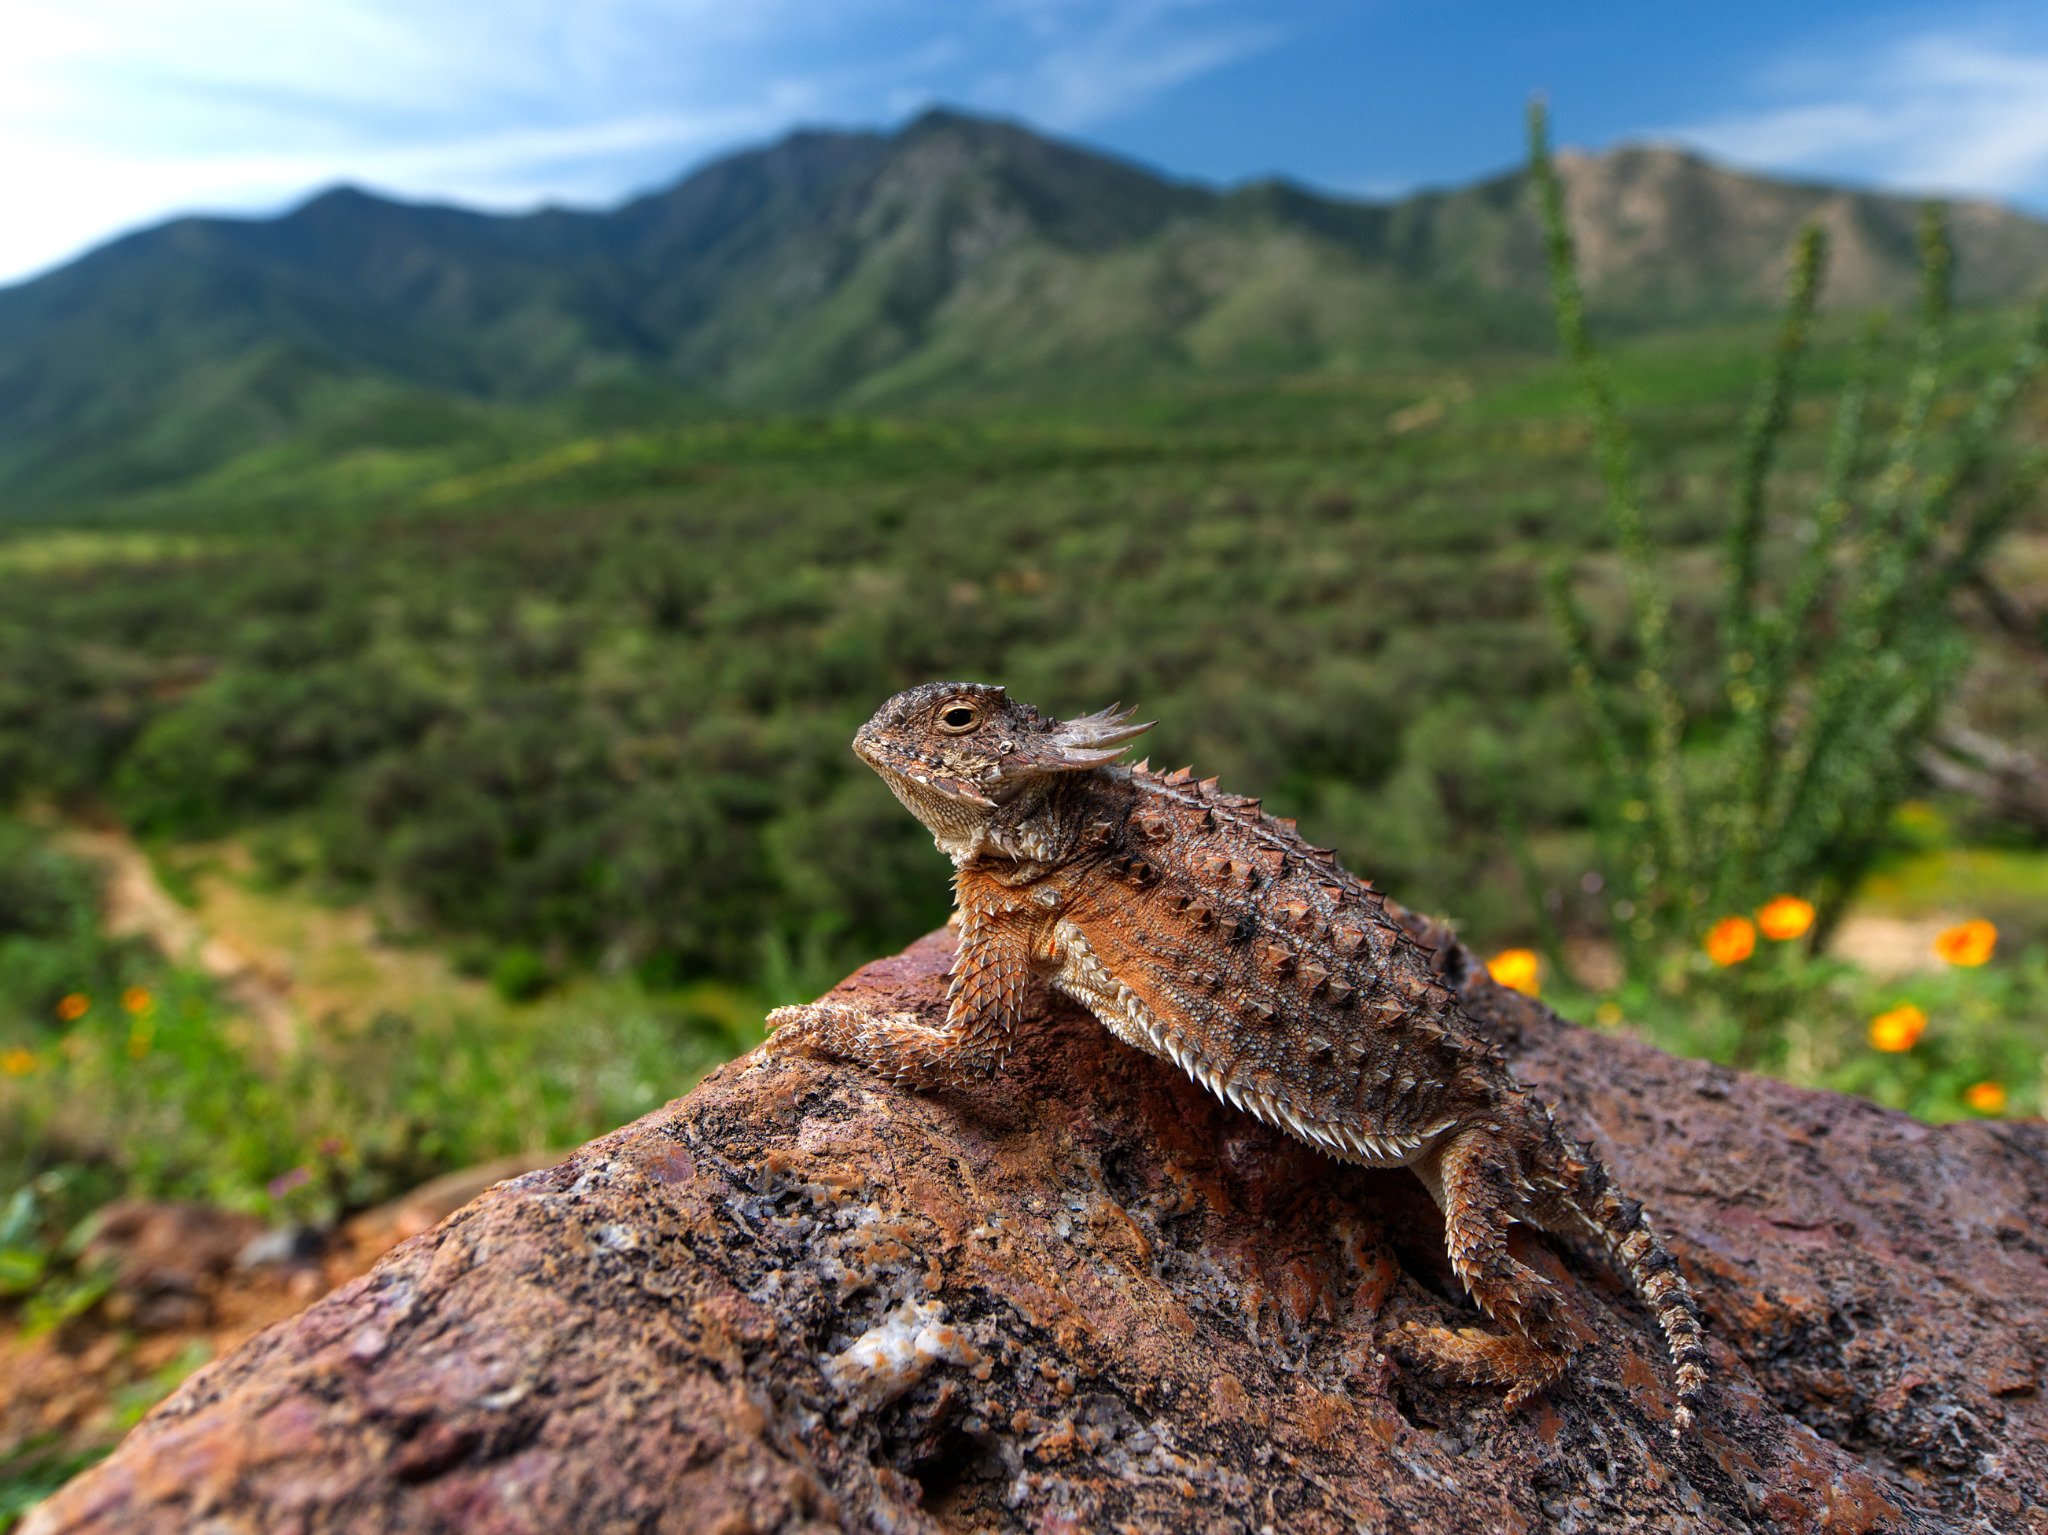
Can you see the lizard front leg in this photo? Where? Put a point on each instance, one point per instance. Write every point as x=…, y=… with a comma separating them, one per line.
x=984, y=1000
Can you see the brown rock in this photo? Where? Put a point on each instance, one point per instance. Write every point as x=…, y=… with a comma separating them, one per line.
x=1090, y=1298
x=167, y=1259
x=425, y=1207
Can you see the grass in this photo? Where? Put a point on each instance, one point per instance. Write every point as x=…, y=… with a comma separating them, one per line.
x=124, y=1071
x=1808, y=1021
x=32, y=1472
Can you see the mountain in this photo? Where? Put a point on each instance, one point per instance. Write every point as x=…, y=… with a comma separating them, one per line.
x=862, y=268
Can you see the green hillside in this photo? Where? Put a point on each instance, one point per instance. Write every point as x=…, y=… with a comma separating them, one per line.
x=959, y=257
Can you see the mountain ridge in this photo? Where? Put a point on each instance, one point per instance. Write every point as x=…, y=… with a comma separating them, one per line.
x=857, y=267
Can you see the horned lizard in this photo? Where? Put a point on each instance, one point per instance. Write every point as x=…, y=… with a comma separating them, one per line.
x=1205, y=932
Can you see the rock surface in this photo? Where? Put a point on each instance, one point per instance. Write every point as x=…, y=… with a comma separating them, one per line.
x=1089, y=1298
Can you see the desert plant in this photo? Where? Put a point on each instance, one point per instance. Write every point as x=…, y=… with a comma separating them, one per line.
x=1837, y=643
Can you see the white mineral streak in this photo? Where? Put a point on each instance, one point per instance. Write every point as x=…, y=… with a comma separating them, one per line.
x=897, y=1352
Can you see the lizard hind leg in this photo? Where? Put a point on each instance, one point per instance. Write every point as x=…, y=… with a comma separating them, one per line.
x=1472, y=1177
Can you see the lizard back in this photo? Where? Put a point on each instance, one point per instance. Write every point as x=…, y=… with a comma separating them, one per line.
x=1291, y=989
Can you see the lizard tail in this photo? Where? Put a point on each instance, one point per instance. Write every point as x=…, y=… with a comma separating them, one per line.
x=1581, y=1187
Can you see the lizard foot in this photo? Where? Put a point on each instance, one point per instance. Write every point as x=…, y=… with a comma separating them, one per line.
x=833, y=1031
x=1473, y=1357
x=898, y=1046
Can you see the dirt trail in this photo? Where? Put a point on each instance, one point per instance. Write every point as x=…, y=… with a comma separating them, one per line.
x=137, y=905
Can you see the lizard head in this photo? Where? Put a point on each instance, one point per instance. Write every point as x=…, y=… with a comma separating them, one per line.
x=958, y=753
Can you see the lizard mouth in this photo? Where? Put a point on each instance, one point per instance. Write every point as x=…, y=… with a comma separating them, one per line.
x=907, y=774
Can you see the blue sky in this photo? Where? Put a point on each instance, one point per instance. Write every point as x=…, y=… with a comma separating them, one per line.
x=117, y=113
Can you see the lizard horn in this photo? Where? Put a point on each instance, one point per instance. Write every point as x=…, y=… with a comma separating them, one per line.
x=1090, y=740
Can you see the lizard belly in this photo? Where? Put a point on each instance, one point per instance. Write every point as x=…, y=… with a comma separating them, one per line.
x=1083, y=976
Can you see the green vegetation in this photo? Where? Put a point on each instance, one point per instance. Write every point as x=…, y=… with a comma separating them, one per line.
x=124, y=1074
x=32, y=1473
x=1838, y=643
x=579, y=708
x=1810, y=1020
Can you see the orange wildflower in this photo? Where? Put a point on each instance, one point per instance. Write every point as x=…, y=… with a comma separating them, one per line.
x=73, y=1007
x=1785, y=916
x=1967, y=943
x=18, y=1062
x=1517, y=969
x=1898, y=1028
x=1731, y=940
x=136, y=1000
x=1985, y=1097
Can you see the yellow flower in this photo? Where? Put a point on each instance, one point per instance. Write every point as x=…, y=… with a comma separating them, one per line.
x=1967, y=943
x=1985, y=1097
x=18, y=1062
x=1608, y=1014
x=73, y=1007
x=1517, y=969
x=1731, y=940
x=1785, y=916
x=1897, y=1028
x=136, y=1000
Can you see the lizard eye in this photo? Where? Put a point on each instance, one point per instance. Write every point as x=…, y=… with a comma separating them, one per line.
x=958, y=717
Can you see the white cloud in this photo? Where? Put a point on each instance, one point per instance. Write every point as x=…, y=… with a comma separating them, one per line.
x=118, y=113
x=1096, y=60
x=1939, y=113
